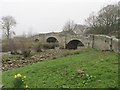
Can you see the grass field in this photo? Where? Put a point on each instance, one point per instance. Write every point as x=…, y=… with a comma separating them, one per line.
x=100, y=67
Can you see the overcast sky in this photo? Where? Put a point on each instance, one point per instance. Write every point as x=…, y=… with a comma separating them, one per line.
x=42, y=16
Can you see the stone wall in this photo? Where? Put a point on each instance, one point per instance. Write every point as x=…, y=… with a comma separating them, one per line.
x=103, y=42
x=116, y=45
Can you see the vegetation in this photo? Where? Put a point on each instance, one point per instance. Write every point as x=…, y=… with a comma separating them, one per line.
x=39, y=46
x=18, y=45
x=69, y=27
x=19, y=81
x=84, y=68
x=16, y=61
x=7, y=23
x=90, y=68
x=106, y=21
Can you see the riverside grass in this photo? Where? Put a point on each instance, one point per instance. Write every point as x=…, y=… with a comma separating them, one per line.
x=62, y=72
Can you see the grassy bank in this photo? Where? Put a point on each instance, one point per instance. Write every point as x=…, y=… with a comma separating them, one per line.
x=101, y=71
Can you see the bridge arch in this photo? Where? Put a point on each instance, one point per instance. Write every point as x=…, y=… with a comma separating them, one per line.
x=52, y=40
x=37, y=40
x=74, y=44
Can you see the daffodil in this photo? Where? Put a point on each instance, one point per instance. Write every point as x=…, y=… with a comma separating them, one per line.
x=18, y=78
x=26, y=86
x=15, y=76
x=19, y=75
x=24, y=77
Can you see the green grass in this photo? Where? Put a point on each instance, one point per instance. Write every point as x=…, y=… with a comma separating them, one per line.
x=62, y=72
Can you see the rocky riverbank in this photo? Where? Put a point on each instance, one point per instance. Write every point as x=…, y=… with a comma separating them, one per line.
x=18, y=61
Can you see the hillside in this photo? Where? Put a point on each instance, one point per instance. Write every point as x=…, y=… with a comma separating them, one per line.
x=100, y=71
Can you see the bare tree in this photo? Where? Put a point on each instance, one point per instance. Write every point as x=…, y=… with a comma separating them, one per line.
x=92, y=21
x=69, y=27
x=7, y=23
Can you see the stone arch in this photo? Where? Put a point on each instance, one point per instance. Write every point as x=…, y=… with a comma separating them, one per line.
x=51, y=40
x=74, y=44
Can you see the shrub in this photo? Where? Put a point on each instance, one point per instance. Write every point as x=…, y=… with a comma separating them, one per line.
x=26, y=53
x=50, y=45
x=16, y=44
x=40, y=46
x=4, y=47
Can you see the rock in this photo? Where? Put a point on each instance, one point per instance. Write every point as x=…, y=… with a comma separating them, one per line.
x=26, y=53
x=41, y=56
x=19, y=52
x=7, y=60
x=1, y=86
x=41, y=59
x=81, y=72
x=25, y=61
x=23, y=58
x=10, y=62
x=33, y=57
x=13, y=52
x=53, y=57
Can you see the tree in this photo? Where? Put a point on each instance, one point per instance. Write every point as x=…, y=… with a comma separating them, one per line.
x=7, y=23
x=69, y=27
x=106, y=20
x=92, y=21
x=108, y=16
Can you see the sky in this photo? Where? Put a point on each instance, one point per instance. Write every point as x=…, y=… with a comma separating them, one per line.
x=43, y=16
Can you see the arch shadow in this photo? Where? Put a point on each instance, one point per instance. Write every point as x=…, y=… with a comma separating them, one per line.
x=74, y=44
x=52, y=40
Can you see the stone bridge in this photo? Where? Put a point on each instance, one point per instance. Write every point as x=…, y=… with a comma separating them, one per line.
x=74, y=41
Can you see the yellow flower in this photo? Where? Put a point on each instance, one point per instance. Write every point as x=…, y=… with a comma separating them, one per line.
x=15, y=76
x=26, y=86
x=19, y=75
x=24, y=77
